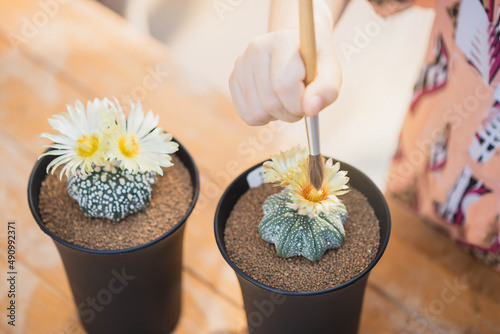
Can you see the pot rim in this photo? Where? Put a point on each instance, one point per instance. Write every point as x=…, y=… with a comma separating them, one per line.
x=193, y=171
x=240, y=273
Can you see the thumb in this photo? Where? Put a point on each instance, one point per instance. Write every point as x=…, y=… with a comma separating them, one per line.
x=324, y=89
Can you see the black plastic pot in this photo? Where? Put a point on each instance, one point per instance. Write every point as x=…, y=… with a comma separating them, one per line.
x=270, y=310
x=133, y=290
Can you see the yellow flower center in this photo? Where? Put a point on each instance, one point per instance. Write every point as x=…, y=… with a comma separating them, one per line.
x=87, y=145
x=128, y=146
x=314, y=195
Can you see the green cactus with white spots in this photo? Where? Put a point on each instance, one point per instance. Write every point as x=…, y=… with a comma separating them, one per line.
x=110, y=192
x=299, y=234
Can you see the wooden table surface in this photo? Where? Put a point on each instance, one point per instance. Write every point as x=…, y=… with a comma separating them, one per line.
x=54, y=52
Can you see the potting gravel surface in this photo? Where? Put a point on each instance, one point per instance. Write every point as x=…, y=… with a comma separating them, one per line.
x=171, y=197
x=259, y=259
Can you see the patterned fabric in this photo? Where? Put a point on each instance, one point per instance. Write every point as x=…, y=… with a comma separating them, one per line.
x=447, y=166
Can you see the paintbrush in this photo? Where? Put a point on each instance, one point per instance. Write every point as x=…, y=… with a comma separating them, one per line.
x=308, y=53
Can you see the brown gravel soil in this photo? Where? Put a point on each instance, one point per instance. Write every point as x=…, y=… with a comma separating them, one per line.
x=259, y=259
x=170, y=200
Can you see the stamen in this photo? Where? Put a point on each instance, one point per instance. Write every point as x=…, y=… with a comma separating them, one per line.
x=128, y=146
x=87, y=145
x=314, y=195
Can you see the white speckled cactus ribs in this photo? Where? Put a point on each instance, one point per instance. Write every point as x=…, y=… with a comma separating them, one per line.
x=296, y=234
x=110, y=192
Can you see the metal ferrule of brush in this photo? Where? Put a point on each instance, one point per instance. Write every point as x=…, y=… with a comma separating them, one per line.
x=312, y=126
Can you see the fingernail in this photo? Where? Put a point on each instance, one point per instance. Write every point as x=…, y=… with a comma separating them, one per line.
x=314, y=105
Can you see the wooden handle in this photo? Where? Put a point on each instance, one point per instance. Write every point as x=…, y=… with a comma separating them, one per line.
x=307, y=39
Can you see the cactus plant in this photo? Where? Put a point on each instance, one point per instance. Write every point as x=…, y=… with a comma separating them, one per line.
x=297, y=234
x=111, y=161
x=302, y=220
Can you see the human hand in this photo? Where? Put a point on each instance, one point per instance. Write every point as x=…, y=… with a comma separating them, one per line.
x=267, y=82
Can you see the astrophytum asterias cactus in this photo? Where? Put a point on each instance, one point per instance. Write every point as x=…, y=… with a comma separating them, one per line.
x=295, y=234
x=111, y=160
x=110, y=192
x=302, y=220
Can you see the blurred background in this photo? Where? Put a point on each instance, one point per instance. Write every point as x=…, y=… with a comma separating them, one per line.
x=363, y=125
